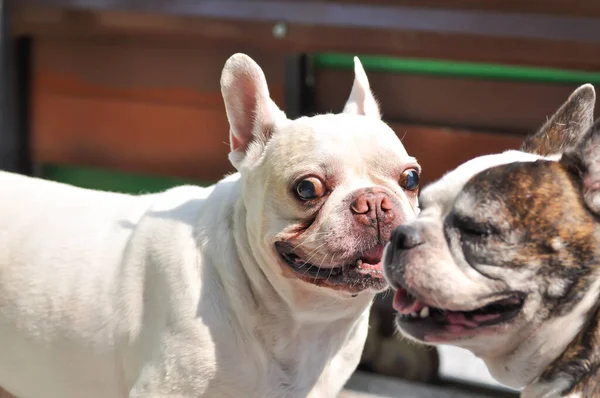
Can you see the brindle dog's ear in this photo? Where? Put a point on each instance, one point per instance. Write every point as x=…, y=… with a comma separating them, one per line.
x=584, y=161
x=566, y=127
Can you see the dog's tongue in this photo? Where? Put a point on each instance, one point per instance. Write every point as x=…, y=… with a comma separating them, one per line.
x=373, y=257
x=457, y=318
x=405, y=303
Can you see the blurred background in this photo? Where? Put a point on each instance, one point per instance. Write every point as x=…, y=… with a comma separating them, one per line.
x=124, y=95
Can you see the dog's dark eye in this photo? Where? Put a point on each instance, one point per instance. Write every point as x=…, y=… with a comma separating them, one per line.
x=410, y=180
x=468, y=226
x=310, y=188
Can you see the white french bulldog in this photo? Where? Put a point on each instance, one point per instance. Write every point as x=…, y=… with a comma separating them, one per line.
x=259, y=286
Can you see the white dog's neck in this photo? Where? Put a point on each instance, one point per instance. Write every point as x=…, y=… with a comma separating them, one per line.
x=288, y=306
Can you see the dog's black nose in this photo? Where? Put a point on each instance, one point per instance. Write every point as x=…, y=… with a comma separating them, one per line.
x=406, y=237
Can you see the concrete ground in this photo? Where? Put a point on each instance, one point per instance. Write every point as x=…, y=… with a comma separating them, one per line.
x=366, y=385
x=463, y=376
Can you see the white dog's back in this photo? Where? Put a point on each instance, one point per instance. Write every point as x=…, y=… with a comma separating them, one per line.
x=65, y=295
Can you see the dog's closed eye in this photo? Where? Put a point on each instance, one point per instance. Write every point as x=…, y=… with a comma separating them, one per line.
x=468, y=226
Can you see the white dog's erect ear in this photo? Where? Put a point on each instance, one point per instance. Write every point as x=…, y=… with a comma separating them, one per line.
x=249, y=107
x=361, y=101
x=584, y=160
x=566, y=127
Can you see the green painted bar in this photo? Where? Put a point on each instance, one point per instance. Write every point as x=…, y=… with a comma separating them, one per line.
x=114, y=181
x=457, y=69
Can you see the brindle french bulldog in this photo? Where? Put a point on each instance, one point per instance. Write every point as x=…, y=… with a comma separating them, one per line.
x=504, y=259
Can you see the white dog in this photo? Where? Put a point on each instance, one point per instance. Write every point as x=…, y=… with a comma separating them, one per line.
x=259, y=286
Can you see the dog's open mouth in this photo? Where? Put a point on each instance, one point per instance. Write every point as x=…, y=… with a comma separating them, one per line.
x=366, y=266
x=424, y=321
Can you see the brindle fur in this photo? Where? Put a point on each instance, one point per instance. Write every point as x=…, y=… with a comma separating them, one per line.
x=561, y=131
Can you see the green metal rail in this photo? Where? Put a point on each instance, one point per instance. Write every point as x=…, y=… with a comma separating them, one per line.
x=457, y=69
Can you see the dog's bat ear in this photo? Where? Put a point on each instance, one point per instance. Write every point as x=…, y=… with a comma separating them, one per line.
x=250, y=109
x=584, y=161
x=361, y=100
x=566, y=127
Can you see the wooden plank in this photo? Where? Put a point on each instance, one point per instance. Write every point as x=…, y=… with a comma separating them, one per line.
x=190, y=142
x=135, y=28
x=99, y=104
x=439, y=150
x=142, y=137
x=555, y=7
x=146, y=72
x=478, y=104
x=364, y=15
x=149, y=109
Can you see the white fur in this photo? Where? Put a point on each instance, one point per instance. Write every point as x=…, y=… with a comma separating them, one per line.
x=101, y=292
x=361, y=101
x=180, y=294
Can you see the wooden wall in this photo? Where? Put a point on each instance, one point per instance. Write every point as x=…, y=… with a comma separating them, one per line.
x=144, y=108
x=156, y=108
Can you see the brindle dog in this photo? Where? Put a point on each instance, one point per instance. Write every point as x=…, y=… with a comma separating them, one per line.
x=504, y=259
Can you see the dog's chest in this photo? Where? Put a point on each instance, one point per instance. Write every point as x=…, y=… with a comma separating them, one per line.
x=295, y=370
x=315, y=362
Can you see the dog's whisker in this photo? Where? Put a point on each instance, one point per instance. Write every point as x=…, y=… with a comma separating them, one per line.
x=386, y=294
x=332, y=266
x=307, y=239
x=320, y=265
x=315, y=251
x=301, y=243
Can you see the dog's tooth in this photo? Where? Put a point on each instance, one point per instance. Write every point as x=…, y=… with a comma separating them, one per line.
x=424, y=312
x=413, y=315
x=359, y=263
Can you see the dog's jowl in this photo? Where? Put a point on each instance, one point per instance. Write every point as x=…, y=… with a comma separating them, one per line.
x=504, y=259
x=258, y=286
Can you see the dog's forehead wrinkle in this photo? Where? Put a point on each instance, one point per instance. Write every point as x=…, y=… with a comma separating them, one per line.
x=348, y=130
x=447, y=188
x=365, y=149
x=517, y=279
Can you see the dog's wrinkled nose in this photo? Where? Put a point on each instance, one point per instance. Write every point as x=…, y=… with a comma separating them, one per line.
x=406, y=237
x=372, y=204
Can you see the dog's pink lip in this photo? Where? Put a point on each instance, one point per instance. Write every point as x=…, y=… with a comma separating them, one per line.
x=367, y=267
x=460, y=332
